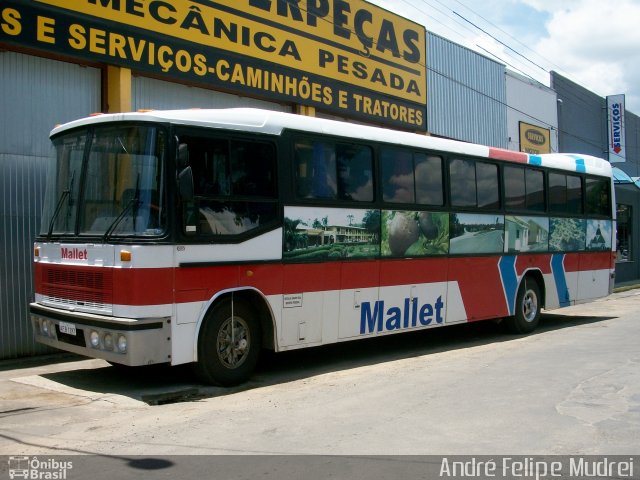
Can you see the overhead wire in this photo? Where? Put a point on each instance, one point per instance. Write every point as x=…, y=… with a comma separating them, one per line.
x=586, y=140
x=577, y=96
x=515, y=39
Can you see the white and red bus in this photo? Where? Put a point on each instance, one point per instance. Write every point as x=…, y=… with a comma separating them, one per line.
x=205, y=236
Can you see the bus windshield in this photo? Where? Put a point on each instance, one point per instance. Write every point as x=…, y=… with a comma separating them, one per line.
x=106, y=181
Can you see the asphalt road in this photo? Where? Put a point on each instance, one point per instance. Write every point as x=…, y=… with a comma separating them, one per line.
x=481, y=242
x=571, y=388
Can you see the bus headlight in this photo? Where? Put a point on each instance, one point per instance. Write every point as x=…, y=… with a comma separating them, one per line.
x=122, y=344
x=108, y=341
x=45, y=328
x=94, y=338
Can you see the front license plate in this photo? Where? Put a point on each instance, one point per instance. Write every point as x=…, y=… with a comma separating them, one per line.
x=68, y=328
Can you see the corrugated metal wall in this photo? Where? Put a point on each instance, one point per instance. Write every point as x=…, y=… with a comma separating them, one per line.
x=466, y=94
x=161, y=95
x=582, y=118
x=36, y=94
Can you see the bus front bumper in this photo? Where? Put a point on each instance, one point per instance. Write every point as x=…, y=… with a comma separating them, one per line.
x=126, y=341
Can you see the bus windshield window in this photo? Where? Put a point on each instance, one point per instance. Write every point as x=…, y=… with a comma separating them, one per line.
x=63, y=176
x=122, y=184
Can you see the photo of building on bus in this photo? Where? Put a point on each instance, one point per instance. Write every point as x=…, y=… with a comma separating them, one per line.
x=598, y=235
x=313, y=233
x=526, y=234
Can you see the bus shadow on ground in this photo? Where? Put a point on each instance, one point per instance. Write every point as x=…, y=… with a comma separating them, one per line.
x=160, y=385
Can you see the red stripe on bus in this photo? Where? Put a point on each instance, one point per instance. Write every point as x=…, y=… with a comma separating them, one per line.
x=572, y=262
x=480, y=286
x=597, y=260
x=509, y=155
x=541, y=262
x=142, y=286
x=478, y=278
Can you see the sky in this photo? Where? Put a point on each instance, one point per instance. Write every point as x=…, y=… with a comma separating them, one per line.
x=595, y=43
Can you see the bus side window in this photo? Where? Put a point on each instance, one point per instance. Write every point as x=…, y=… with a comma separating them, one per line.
x=488, y=185
x=598, y=198
x=514, y=188
x=462, y=177
x=534, y=186
x=209, y=160
x=315, y=170
x=397, y=176
x=523, y=188
x=355, y=172
x=557, y=192
x=253, y=168
x=428, y=178
x=474, y=184
x=574, y=194
x=565, y=193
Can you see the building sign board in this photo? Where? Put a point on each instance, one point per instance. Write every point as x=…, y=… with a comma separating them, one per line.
x=345, y=56
x=616, y=128
x=534, y=139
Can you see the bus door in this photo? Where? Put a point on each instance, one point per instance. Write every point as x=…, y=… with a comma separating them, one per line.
x=358, y=298
x=307, y=303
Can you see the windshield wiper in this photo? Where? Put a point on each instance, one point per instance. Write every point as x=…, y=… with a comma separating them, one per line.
x=56, y=212
x=131, y=205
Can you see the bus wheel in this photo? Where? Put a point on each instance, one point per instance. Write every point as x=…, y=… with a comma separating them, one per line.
x=528, y=307
x=229, y=345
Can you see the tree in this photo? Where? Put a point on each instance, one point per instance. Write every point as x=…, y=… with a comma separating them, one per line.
x=292, y=237
x=371, y=223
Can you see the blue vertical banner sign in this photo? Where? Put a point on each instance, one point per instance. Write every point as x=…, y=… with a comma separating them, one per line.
x=616, y=128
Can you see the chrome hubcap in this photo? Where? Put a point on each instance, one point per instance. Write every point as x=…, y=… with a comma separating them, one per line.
x=233, y=342
x=530, y=305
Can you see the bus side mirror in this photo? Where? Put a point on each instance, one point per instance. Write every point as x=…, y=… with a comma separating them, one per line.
x=182, y=155
x=185, y=184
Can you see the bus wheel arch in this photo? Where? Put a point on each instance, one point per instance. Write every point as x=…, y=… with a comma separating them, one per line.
x=528, y=304
x=233, y=331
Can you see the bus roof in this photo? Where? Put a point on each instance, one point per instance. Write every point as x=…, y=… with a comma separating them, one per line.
x=274, y=123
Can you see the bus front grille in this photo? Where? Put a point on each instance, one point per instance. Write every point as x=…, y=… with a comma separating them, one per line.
x=89, y=289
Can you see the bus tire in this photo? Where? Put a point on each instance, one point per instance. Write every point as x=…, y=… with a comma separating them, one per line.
x=228, y=346
x=528, y=306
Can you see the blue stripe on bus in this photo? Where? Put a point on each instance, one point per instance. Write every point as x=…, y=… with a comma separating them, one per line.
x=509, y=278
x=580, y=165
x=559, y=275
x=535, y=160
